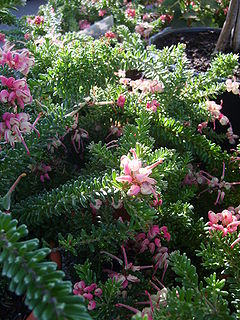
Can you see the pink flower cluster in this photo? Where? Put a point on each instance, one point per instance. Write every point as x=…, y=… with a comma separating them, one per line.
x=87, y=292
x=110, y=35
x=18, y=92
x=144, y=85
x=152, y=242
x=101, y=13
x=44, y=169
x=166, y=18
x=14, y=126
x=226, y=221
x=38, y=20
x=121, y=101
x=2, y=37
x=137, y=177
x=19, y=60
x=152, y=106
x=130, y=13
x=214, y=110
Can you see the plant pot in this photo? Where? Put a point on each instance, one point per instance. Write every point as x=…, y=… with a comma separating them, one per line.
x=55, y=255
x=170, y=30
x=200, y=43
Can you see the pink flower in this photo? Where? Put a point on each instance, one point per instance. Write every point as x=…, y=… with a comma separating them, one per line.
x=38, y=20
x=98, y=292
x=4, y=94
x=202, y=125
x=101, y=13
x=166, y=18
x=232, y=86
x=110, y=35
x=80, y=289
x=153, y=232
x=19, y=60
x=91, y=305
x=83, y=24
x=134, y=190
x=121, y=101
x=136, y=176
x=14, y=126
x=2, y=37
x=27, y=36
x=152, y=106
x=224, y=221
x=130, y=12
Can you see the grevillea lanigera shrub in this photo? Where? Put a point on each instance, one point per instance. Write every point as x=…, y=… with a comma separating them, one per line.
x=118, y=164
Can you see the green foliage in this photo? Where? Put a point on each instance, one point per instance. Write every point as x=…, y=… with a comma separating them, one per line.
x=5, y=15
x=192, y=300
x=46, y=293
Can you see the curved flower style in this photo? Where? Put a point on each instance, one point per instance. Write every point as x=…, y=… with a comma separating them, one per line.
x=14, y=126
x=137, y=177
x=125, y=276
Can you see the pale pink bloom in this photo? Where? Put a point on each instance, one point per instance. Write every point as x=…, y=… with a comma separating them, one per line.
x=134, y=190
x=224, y=221
x=83, y=24
x=225, y=11
x=110, y=35
x=223, y=120
x=137, y=176
x=213, y=108
x=147, y=86
x=232, y=86
x=101, y=13
x=121, y=101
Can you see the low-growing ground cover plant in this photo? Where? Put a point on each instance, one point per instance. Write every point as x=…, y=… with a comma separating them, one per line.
x=118, y=167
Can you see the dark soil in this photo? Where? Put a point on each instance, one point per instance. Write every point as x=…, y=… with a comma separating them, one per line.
x=199, y=47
